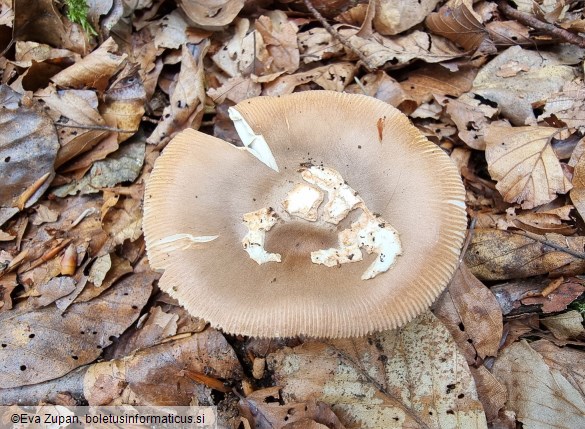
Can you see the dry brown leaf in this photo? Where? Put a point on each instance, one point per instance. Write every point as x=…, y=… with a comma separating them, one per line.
x=262, y=409
x=558, y=300
x=567, y=360
x=541, y=396
x=317, y=44
x=99, y=269
x=211, y=14
x=501, y=255
x=470, y=311
x=124, y=105
x=434, y=79
x=393, y=17
x=188, y=98
x=235, y=89
x=119, y=267
x=94, y=70
x=471, y=117
x=51, y=291
x=458, y=22
x=411, y=377
x=45, y=344
x=280, y=36
x=491, y=392
x=28, y=148
x=385, y=88
x=237, y=57
x=566, y=325
x=546, y=75
x=157, y=375
x=521, y=159
x=69, y=108
x=509, y=33
x=578, y=191
x=566, y=107
x=416, y=45
x=8, y=283
x=333, y=77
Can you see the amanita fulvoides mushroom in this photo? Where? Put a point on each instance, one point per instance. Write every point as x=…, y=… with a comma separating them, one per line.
x=336, y=218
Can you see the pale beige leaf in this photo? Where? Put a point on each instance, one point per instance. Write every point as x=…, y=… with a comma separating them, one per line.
x=526, y=168
x=471, y=117
x=411, y=377
x=541, y=396
x=333, y=77
x=472, y=314
x=578, y=191
x=545, y=74
x=280, y=36
x=569, y=361
x=566, y=325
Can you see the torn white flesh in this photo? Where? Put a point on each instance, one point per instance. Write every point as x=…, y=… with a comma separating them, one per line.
x=303, y=201
x=254, y=143
x=369, y=232
x=182, y=241
x=341, y=198
x=258, y=223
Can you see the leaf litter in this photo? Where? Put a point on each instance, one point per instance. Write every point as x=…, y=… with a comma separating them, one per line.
x=94, y=112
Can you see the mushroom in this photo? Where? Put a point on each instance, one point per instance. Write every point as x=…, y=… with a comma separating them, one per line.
x=336, y=218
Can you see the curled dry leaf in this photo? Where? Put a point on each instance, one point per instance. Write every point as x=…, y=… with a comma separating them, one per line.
x=393, y=17
x=160, y=375
x=411, y=377
x=563, y=295
x=238, y=55
x=521, y=159
x=317, y=44
x=94, y=70
x=211, y=14
x=263, y=410
x=501, y=255
x=540, y=395
x=45, y=344
x=458, y=22
x=417, y=45
x=491, y=392
x=472, y=314
x=471, y=117
x=28, y=148
x=381, y=86
x=188, y=98
x=280, y=37
x=332, y=77
x=567, y=107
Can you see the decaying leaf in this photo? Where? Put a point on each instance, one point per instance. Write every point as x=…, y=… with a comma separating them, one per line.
x=545, y=74
x=566, y=360
x=471, y=117
x=411, y=377
x=458, y=22
x=28, y=147
x=211, y=14
x=578, y=191
x=540, y=395
x=263, y=411
x=188, y=98
x=333, y=77
x=45, y=344
x=521, y=159
x=160, y=375
x=393, y=17
x=280, y=37
x=94, y=70
x=501, y=255
x=566, y=325
x=472, y=314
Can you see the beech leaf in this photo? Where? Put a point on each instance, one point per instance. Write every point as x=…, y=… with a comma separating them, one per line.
x=524, y=164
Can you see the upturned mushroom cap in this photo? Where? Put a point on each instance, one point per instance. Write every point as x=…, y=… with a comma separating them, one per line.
x=201, y=187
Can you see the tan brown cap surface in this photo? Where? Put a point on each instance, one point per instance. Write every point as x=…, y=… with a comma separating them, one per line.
x=201, y=187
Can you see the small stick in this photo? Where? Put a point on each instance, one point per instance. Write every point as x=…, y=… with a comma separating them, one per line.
x=335, y=34
x=533, y=22
x=95, y=127
x=548, y=243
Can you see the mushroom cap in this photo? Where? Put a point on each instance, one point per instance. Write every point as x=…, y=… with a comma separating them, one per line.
x=201, y=187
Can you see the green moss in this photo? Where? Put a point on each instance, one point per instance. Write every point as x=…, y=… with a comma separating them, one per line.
x=77, y=13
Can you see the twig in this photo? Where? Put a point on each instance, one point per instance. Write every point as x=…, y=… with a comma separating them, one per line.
x=548, y=243
x=533, y=22
x=95, y=127
x=468, y=238
x=335, y=34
